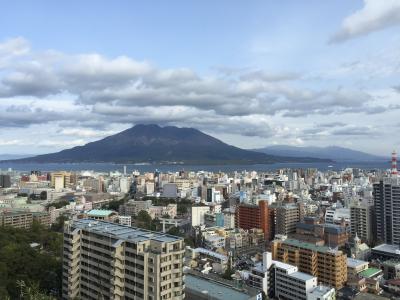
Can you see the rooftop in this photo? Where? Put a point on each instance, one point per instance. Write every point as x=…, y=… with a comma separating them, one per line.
x=302, y=276
x=123, y=232
x=367, y=296
x=100, y=212
x=394, y=249
x=320, y=291
x=392, y=262
x=395, y=281
x=370, y=272
x=300, y=244
x=211, y=253
x=284, y=266
x=354, y=263
x=214, y=289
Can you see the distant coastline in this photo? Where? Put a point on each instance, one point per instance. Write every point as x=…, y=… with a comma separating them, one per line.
x=107, y=167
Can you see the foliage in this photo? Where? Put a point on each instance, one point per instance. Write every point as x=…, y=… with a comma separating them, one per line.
x=228, y=273
x=114, y=204
x=143, y=220
x=58, y=226
x=58, y=204
x=19, y=262
x=189, y=241
x=175, y=231
x=32, y=292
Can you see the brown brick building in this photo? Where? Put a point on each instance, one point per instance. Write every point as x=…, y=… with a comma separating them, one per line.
x=249, y=216
x=329, y=265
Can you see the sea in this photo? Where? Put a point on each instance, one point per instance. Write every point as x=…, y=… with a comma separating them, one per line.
x=107, y=167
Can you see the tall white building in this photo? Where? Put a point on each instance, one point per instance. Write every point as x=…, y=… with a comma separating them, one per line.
x=198, y=214
x=229, y=218
x=284, y=281
x=124, y=185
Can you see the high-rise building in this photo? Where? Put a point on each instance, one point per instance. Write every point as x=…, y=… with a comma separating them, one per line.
x=197, y=214
x=250, y=216
x=387, y=208
x=362, y=219
x=329, y=265
x=105, y=260
x=287, y=217
x=5, y=181
x=60, y=180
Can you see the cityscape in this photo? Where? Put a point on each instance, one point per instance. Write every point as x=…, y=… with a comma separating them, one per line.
x=213, y=150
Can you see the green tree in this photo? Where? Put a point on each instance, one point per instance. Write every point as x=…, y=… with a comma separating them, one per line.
x=58, y=204
x=174, y=231
x=228, y=273
x=114, y=204
x=32, y=292
x=58, y=226
x=143, y=220
x=19, y=262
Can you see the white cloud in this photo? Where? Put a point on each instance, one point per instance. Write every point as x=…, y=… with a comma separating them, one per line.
x=85, y=132
x=74, y=99
x=11, y=142
x=374, y=15
x=11, y=49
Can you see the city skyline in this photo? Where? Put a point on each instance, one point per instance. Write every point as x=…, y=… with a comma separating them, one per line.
x=298, y=73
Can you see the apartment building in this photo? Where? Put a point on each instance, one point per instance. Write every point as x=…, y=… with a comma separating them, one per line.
x=329, y=265
x=287, y=217
x=133, y=207
x=23, y=219
x=362, y=221
x=103, y=260
x=16, y=219
x=250, y=216
x=387, y=206
x=42, y=218
x=292, y=284
x=283, y=281
x=60, y=180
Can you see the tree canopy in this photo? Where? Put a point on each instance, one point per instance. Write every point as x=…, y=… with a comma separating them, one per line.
x=20, y=262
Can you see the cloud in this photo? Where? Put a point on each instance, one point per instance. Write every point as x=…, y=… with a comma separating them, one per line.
x=12, y=48
x=93, y=79
x=331, y=130
x=373, y=16
x=84, y=132
x=9, y=142
x=354, y=130
x=82, y=97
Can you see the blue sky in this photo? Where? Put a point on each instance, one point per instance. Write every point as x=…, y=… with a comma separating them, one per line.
x=252, y=73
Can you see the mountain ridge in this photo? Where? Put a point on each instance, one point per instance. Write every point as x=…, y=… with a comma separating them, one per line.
x=335, y=153
x=154, y=144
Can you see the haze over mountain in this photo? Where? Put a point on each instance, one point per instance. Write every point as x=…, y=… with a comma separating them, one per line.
x=13, y=156
x=155, y=144
x=335, y=153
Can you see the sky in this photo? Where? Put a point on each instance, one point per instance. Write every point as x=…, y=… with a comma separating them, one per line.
x=251, y=73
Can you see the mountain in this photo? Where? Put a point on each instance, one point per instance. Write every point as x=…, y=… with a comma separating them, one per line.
x=335, y=153
x=13, y=156
x=155, y=144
